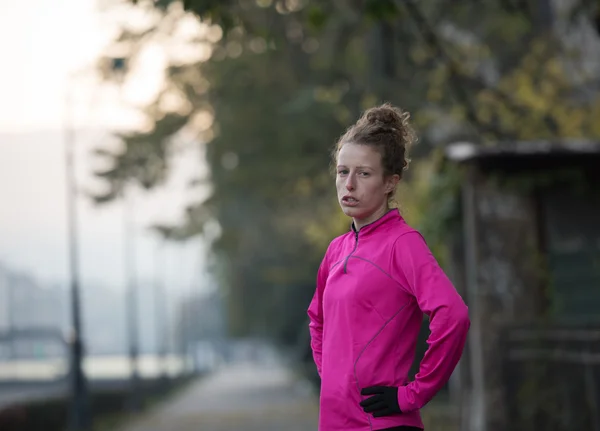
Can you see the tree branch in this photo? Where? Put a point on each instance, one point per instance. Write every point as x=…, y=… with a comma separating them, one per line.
x=461, y=80
x=457, y=79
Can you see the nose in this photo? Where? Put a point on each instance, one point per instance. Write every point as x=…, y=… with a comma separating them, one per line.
x=350, y=183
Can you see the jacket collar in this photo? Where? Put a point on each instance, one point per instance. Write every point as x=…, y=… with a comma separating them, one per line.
x=392, y=214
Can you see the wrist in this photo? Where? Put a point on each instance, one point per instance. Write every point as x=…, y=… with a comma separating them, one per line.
x=406, y=403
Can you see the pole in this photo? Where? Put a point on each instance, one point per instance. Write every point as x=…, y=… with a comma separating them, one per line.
x=79, y=414
x=132, y=299
x=11, y=319
x=160, y=304
x=478, y=415
x=118, y=66
x=189, y=328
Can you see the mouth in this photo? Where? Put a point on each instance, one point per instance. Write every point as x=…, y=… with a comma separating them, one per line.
x=349, y=201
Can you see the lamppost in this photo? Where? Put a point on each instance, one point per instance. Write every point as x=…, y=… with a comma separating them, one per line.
x=79, y=415
x=118, y=68
x=118, y=71
x=132, y=299
x=160, y=310
x=10, y=315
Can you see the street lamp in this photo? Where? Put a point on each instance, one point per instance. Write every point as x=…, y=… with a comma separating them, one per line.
x=160, y=309
x=132, y=299
x=79, y=408
x=118, y=68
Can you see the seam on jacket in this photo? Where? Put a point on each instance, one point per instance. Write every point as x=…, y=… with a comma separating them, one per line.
x=394, y=246
x=336, y=264
x=365, y=348
x=382, y=270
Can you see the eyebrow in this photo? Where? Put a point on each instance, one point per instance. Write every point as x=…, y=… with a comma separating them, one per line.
x=359, y=167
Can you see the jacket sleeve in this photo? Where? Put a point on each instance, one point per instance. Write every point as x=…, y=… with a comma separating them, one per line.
x=315, y=314
x=415, y=267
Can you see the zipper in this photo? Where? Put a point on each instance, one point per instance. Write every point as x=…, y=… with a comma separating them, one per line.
x=348, y=257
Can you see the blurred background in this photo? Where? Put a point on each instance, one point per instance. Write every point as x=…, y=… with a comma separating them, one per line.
x=167, y=199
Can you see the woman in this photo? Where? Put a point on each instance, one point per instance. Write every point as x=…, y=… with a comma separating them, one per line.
x=373, y=286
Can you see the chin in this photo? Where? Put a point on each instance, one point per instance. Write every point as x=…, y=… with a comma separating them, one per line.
x=348, y=211
x=356, y=213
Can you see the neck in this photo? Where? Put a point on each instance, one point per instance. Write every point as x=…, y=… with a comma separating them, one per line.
x=359, y=223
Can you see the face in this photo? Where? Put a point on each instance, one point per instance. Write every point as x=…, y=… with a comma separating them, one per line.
x=362, y=188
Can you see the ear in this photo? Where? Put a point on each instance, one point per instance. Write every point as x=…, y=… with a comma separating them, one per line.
x=391, y=183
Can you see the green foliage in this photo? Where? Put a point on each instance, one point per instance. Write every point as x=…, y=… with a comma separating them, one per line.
x=283, y=82
x=381, y=9
x=316, y=17
x=442, y=206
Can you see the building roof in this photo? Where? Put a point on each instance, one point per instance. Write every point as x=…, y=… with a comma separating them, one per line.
x=468, y=151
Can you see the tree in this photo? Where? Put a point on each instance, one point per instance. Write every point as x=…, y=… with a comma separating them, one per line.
x=284, y=78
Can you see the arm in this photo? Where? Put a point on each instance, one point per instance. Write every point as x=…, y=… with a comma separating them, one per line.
x=315, y=314
x=416, y=268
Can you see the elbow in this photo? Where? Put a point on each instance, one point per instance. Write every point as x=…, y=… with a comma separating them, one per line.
x=313, y=318
x=461, y=315
x=315, y=323
x=452, y=319
x=315, y=327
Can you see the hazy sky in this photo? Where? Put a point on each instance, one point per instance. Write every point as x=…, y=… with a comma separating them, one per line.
x=42, y=44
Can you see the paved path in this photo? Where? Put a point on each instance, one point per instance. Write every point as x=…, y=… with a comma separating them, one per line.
x=244, y=397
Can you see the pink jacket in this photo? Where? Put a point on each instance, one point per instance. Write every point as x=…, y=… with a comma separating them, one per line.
x=373, y=287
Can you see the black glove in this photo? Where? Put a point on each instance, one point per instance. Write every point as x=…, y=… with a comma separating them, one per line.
x=384, y=401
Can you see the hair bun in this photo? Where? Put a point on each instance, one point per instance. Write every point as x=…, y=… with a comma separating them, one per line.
x=386, y=115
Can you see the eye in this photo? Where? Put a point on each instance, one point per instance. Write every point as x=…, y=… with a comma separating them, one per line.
x=364, y=174
x=343, y=172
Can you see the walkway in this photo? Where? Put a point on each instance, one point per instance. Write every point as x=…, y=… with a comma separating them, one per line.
x=245, y=397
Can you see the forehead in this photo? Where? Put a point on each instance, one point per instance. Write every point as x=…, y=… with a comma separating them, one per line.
x=358, y=155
